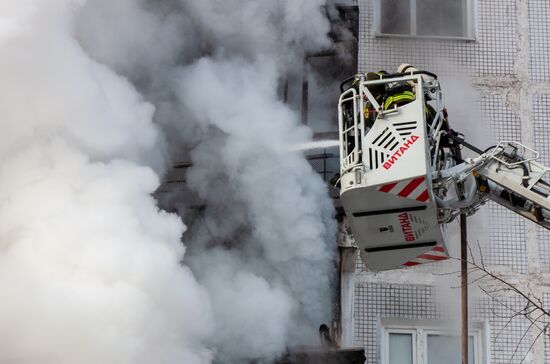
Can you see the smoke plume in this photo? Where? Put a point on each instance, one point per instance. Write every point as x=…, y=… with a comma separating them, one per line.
x=100, y=97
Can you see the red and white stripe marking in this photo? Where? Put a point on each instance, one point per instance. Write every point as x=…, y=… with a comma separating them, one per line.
x=435, y=255
x=415, y=189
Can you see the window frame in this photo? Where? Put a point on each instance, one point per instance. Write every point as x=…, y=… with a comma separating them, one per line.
x=478, y=344
x=386, y=342
x=471, y=23
x=420, y=331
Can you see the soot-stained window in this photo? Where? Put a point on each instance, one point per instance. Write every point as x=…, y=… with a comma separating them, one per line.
x=426, y=18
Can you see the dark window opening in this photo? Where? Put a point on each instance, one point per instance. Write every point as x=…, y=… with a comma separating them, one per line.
x=436, y=18
x=396, y=16
x=441, y=18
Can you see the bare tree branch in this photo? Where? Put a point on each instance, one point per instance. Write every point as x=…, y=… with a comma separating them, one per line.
x=507, y=284
x=533, y=343
x=533, y=309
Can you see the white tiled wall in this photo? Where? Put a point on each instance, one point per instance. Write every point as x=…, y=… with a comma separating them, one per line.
x=509, y=65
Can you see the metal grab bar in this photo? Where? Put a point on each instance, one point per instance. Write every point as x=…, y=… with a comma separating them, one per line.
x=348, y=133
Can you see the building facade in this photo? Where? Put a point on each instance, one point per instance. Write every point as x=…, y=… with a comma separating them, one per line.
x=493, y=59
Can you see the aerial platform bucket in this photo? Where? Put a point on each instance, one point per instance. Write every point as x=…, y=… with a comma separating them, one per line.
x=385, y=179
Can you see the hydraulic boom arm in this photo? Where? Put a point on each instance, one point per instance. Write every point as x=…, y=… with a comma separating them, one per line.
x=507, y=174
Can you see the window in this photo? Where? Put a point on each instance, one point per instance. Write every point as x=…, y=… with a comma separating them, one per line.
x=447, y=349
x=420, y=343
x=426, y=18
x=401, y=347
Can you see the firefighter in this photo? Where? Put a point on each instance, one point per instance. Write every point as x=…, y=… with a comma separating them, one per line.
x=378, y=91
x=399, y=93
x=428, y=109
x=402, y=93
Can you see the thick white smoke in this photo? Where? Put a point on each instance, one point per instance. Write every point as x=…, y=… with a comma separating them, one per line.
x=89, y=267
x=98, y=94
x=273, y=193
